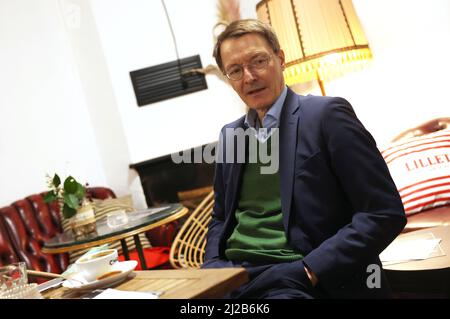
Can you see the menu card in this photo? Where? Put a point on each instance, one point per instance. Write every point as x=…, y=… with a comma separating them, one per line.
x=412, y=247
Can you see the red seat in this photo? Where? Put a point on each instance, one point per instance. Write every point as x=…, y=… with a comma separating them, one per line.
x=7, y=252
x=155, y=257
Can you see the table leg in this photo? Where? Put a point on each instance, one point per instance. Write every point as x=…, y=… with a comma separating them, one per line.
x=137, y=241
x=125, y=249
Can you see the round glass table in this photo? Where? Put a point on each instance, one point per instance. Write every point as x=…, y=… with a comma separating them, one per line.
x=138, y=222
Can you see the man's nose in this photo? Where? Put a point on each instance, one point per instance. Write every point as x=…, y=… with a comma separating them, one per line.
x=248, y=75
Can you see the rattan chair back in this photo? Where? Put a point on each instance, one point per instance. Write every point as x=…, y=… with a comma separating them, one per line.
x=188, y=248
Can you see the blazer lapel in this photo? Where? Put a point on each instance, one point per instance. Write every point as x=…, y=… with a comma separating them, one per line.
x=235, y=179
x=288, y=143
x=234, y=186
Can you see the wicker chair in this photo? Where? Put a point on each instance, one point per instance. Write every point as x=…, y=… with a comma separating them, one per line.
x=188, y=248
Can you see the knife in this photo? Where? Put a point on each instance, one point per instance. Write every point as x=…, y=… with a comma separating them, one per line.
x=50, y=284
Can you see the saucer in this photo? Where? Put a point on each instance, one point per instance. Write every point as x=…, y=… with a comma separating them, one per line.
x=126, y=267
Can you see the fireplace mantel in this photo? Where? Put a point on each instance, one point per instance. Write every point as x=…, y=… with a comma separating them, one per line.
x=162, y=179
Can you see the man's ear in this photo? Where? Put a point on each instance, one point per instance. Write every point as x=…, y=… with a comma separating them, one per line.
x=281, y=57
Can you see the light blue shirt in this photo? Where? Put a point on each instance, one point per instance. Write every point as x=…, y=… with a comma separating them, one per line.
x=270, y=120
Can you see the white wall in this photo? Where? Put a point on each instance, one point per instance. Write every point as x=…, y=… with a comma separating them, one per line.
x=44, y=121
x=406, y=84
x=136, y=34
x=100, y=97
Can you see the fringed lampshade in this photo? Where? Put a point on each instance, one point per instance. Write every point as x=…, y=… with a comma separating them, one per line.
x=321, y=39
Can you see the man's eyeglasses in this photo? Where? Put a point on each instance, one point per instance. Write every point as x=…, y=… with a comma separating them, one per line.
x=236, y=72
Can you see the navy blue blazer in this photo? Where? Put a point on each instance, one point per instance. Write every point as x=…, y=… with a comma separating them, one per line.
x=339, y=203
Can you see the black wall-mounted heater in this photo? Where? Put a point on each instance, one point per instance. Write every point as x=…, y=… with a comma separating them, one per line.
x=168, y=80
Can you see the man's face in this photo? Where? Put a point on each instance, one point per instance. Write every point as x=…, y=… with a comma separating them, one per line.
x=258, y=87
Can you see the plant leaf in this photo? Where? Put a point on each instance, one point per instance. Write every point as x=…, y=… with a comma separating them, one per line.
x=71, y=200
x=68, y=212
x=50, y=197
x=56, y=180
x=80, y=193
x=70, y=185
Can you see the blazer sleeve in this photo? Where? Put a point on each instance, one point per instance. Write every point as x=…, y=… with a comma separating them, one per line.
x=363, y=174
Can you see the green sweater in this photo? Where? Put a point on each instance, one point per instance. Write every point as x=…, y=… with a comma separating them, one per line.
x=259, y=235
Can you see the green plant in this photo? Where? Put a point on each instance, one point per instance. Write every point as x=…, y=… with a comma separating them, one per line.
x=69, y=195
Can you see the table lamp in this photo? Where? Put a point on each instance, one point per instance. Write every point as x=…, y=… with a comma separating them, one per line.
x=321, y=39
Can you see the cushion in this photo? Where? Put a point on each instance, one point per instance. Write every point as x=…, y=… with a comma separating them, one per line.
x=420, y=168
x=102, y=208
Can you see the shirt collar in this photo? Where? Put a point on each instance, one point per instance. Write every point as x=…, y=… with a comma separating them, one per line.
x=272, y=117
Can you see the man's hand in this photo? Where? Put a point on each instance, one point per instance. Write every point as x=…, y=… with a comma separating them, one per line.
x=312, y=277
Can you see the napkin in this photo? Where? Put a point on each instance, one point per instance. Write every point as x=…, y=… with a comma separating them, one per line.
x=121, y=294
x=409, y=250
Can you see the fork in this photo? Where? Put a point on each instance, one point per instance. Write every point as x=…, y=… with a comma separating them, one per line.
x=53, y=275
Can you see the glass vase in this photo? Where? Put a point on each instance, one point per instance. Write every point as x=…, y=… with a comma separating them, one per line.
x=83, y=223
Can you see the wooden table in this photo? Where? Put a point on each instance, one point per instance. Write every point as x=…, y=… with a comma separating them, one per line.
x=423, y=278
x=174, y=284
x=139, y=222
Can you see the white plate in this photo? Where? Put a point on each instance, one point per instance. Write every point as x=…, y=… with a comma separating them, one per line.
x=125, y=266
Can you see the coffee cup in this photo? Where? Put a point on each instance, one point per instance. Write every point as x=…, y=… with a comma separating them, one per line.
x=96, y=264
